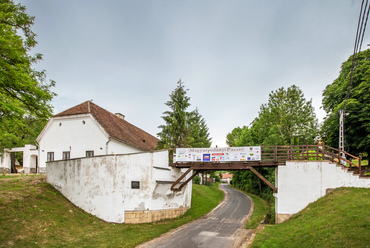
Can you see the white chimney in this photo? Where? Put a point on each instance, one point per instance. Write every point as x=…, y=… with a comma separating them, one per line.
x=120, y=115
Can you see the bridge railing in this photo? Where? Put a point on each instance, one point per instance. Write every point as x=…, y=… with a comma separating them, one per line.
x=278, y=154
x=309, y=152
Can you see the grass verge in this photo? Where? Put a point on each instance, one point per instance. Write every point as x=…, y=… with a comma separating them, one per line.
x=34, y=214
x=340, y=219
x=259, y=212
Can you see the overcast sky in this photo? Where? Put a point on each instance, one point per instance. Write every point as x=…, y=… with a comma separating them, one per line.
x=128, y=55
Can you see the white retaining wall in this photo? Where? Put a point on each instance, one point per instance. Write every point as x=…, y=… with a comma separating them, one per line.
x=102, y=185
x=302, y=182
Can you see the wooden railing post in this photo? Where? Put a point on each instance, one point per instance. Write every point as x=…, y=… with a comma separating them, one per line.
x=275, y=154
x=323, y=151
x=291, y=152
x=261, y=152
x=307, y=151
x=317, y=153
x=339, y=156
x=359, y=163
x=332, y=155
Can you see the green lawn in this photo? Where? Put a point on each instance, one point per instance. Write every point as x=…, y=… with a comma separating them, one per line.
x=34, y=214
x=340, y=219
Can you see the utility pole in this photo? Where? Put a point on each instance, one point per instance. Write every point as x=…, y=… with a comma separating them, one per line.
x=341, y=130
x=341, y=134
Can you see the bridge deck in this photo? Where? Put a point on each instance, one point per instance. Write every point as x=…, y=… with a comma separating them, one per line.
x=271, y=156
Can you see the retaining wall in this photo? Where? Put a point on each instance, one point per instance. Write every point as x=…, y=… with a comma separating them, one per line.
x=302, y=182
x=112, y=186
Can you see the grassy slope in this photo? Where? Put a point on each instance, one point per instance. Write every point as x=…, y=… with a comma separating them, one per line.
x=340, y=219
x=34, y=214
x=259, y=212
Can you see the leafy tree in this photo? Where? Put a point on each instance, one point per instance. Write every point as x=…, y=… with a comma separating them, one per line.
x=287, y=118
x=196, y=180
x=182, y=128
x=236, y=136
x=24, y=95
x=356, y=104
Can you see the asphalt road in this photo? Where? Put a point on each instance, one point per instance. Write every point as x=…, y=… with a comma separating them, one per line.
x=221, y=228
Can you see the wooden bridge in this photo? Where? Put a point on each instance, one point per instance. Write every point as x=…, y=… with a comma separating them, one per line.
x=271, y=156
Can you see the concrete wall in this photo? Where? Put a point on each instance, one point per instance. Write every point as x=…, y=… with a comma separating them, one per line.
x=5, y=162
x=77, y=134
x=300, y=183
x=102, y=185
x=30, y=153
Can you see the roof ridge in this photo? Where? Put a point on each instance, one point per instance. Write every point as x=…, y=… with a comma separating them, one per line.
x=114, y=126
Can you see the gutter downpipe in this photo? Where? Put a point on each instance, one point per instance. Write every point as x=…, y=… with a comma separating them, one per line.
x=38, y=156
x=106, y=146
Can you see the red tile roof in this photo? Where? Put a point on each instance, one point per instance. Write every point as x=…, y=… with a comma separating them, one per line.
x=116, y=127
x=226, y=176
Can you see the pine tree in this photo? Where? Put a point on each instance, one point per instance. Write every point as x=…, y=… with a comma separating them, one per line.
x=182, y=128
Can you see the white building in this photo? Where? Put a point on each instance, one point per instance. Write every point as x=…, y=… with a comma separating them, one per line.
x=226, y=178
x=88, y=130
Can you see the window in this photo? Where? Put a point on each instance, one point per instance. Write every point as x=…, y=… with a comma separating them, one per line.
x=135, y=185
x=50, y=156
x=89, y=153
x=66, y=155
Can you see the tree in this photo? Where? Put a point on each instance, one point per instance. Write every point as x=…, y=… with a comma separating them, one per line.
x=355, y=99
x=199, y=135
x=287, y=118
x=24, y=95
x=182, y=128
x=236, y=136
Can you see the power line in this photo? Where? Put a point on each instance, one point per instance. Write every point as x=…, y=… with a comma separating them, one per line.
x=361, y=27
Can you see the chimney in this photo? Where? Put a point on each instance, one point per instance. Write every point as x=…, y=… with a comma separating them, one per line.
x=121, y=116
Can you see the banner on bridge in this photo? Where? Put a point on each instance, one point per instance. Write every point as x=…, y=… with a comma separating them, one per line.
x=222, y=154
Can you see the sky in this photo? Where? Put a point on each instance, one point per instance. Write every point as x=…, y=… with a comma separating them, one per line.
x=127, y=56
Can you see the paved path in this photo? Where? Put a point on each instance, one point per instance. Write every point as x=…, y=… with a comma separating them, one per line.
x=217, y=229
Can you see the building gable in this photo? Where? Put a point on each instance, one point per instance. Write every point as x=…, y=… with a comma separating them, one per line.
x=116, y=127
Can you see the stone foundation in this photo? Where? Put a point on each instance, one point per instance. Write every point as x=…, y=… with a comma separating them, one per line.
x=30, y=170
x=280, y=218
x=4, y=170
x=136, y=217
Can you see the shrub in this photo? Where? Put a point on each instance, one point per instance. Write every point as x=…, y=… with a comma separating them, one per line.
x=196, y=180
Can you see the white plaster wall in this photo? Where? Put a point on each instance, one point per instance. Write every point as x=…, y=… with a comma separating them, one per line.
x=300, y=183
x=102, y=185
x=5, y=162
x=116, y=147
x=70, y=134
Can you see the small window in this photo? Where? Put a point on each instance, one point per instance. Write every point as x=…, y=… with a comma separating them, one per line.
x=66, y=155
x=89, y=153
x=135, y=185
x=50, y=156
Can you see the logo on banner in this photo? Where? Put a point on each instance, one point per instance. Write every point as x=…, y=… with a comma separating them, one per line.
x=206, y=157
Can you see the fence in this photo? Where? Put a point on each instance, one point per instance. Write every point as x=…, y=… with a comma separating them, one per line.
x=280, y=154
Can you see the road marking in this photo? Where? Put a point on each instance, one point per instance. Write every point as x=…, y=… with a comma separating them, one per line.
x=209, y=234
